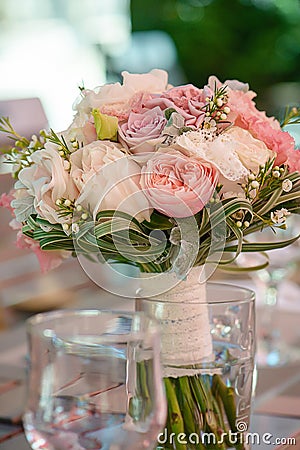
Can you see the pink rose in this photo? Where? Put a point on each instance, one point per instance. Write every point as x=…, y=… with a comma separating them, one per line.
x=107, y=178
x=178, y=185
x=187, y=100
x=141, y=129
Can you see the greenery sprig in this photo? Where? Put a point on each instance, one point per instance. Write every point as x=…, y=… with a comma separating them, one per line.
x=216, y=106
x=291, y=116
x=20, y=154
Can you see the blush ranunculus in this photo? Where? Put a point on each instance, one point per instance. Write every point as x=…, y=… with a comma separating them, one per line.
x=178, y=185
x=107, y=178
x=141, y=131
x=187, y=100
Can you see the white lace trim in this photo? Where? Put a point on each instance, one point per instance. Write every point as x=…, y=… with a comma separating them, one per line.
x=186, y=337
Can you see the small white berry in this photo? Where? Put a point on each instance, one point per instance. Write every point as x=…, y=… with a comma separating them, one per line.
x=220, y=102
x=239, y=224
x=255, y=184
x=67, y=164
x=84, y=216
x=78, y=208
x=246, y=224
x=67, y=202
x=61, y=153
x=58, y=202
x=223, y=116
x=226, y=110
x=65, y=226
x=251, y=177
x=276, y=173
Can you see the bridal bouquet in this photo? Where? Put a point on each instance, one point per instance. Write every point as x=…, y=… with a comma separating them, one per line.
x=145, y=155
x=159, y=177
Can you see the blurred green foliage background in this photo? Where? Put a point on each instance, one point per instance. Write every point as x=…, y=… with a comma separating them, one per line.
x=256, y=41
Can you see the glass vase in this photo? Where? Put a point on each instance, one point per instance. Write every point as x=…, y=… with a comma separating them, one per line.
x=209, y=398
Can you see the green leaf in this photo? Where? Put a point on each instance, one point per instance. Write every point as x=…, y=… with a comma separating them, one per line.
x=158, y=222
x=261, y=246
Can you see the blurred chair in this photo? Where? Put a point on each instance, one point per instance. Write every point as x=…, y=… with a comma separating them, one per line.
x=26, y=115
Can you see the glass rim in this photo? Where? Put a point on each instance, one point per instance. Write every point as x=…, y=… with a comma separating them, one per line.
x=248, y=295
x=36, y=321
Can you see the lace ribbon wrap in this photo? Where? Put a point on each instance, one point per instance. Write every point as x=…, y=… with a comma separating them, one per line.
x=184, y=317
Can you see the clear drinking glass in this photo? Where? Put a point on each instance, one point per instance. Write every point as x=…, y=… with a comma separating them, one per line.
x=95, y=381
x=211, y=397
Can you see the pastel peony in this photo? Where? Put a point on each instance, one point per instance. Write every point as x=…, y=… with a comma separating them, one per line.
x=187, y=100
x=141, y=131
x=177, y=185
x=45, y=181
x=107, y=178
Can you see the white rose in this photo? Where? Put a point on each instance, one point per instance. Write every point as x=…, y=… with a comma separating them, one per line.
x=108, y=179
